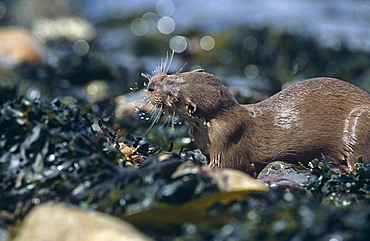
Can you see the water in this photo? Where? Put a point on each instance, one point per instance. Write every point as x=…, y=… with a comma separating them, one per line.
x=331, y=22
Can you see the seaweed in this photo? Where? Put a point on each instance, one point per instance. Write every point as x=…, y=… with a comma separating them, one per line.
x=45, y=146
x=340, y=189
x=50, y=152
x=278, y=215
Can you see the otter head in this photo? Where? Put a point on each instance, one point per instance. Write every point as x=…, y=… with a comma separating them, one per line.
x=194, y=96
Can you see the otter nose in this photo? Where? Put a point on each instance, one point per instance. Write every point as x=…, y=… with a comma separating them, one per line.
x=151, y=86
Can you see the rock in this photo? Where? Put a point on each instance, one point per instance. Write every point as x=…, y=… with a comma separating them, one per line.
x=18, y=46
x=227, y=180
x=4, y=235
x=57, y=222
x=282, y=174
x=129, y=104
x=225, y=186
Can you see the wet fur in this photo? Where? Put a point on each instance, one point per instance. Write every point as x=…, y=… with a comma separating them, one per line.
x=313, y=117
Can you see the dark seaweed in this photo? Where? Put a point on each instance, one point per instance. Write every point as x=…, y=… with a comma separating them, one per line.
x=50, y=152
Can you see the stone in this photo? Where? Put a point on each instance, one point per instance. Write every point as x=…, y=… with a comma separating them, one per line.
x=59, y=222
x=282, y=174
x=18, y=45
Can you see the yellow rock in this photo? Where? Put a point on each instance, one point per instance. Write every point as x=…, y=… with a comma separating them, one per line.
x=233, y=185
x=18, y=45
x=227, y=180
x=57, y=222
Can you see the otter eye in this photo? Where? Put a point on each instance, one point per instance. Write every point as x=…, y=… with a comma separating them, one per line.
x=190, y=107
x=151, y=87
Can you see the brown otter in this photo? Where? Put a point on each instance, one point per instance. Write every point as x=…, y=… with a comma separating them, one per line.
x=320, y=116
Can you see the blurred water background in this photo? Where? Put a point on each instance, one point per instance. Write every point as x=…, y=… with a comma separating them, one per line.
x=126, y=32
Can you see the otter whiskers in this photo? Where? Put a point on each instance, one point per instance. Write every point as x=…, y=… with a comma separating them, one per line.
x=155, y=115
x=170, y=120
x=164, y=66
x=157, y=111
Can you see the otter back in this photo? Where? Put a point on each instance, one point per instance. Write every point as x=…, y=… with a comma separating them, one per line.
x=317, y=116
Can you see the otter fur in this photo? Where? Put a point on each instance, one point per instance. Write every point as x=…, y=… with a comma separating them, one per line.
x=315, y=117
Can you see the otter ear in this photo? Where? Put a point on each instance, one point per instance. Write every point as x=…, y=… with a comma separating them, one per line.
x=190, y=106
x=198, y=70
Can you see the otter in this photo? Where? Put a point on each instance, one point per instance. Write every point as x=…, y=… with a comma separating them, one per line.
x=314, y=117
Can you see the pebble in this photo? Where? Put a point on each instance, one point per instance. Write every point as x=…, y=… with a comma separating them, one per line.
x=19, y=45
